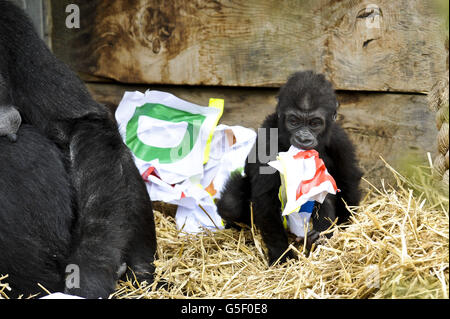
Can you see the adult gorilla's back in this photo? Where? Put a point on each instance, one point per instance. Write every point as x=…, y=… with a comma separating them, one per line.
x=35, y=212
x=113, y=217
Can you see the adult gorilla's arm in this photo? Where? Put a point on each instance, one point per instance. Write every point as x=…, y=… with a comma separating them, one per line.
x=114, y=216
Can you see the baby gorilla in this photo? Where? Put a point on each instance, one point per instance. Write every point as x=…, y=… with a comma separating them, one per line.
x=305, y=118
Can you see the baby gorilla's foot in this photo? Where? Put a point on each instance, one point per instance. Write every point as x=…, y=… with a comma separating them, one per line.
x=311, y=238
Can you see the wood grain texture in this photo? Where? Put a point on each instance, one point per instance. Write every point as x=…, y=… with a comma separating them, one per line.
x=376, y=45
x=380, y=124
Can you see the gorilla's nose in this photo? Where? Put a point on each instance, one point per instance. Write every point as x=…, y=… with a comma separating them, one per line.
x=305, y=140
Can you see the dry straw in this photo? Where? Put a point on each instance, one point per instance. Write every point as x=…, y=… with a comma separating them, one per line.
x=397, y=246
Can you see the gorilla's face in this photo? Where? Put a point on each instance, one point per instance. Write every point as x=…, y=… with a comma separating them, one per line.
x=306, y=108
x=306, y=119
x=305, y=128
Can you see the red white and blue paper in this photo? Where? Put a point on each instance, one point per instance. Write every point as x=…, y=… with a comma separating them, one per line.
x=304, y=180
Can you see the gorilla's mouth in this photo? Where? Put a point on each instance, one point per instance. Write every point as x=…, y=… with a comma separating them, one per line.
x=305, y=145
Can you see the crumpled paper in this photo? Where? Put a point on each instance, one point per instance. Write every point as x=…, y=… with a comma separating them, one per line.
x=304, y=180
x=60, y=295
x=155, y=125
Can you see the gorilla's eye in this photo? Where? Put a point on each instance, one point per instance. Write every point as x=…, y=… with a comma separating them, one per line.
x=316, y=122
x=293, y=121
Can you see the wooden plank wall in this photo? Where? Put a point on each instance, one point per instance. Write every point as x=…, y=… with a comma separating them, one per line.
x=381, y=55
x=378, y=45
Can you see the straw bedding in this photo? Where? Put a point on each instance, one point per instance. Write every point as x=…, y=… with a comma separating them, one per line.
x=397, y=246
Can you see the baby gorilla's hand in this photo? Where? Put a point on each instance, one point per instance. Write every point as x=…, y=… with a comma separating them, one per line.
x=10, y=121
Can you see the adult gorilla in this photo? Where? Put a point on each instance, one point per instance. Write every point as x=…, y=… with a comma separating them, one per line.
x=70, y=193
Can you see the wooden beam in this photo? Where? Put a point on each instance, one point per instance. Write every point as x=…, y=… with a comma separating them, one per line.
x=376, y=45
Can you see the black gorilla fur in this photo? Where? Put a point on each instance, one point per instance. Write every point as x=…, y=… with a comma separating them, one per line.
x=35, y=212
x=70, y=192
x=310, y=91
